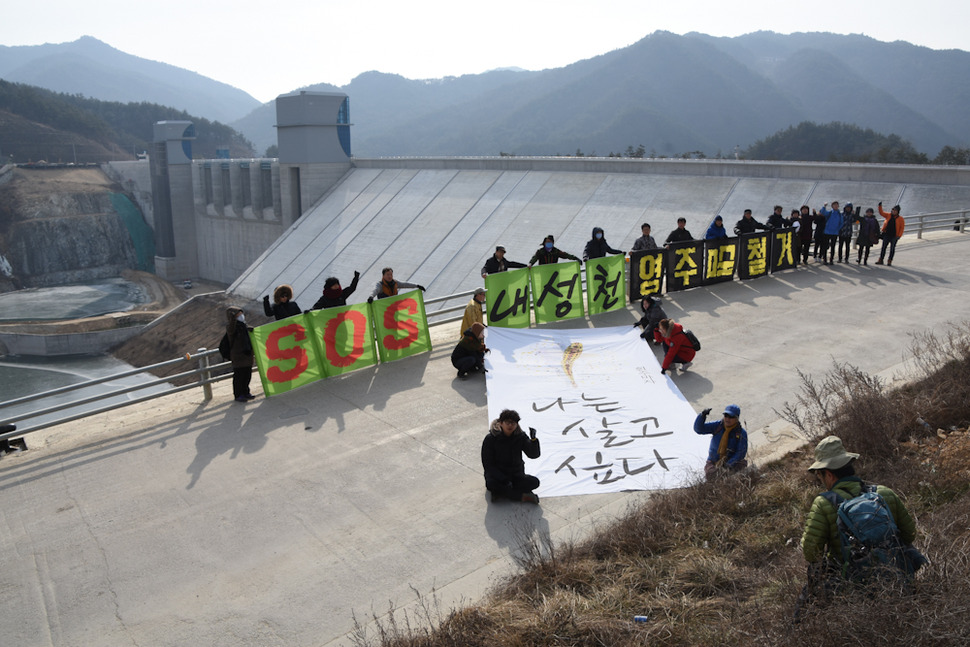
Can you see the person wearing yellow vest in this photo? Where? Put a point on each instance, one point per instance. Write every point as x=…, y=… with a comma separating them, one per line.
x=473, y=312
x=729, y=442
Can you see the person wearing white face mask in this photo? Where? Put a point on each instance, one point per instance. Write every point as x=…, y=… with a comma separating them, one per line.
x=597, y=247
x=238, y=350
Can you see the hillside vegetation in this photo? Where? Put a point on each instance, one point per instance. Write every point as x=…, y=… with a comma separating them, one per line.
x=719, y=564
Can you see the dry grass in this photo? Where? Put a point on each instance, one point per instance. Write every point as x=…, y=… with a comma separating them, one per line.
x=720, y=564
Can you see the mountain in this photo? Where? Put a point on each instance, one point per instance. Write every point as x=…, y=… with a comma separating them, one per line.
x=671, y=93
x=93, y=69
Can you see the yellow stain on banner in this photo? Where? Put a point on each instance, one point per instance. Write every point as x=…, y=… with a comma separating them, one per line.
x=569, y=357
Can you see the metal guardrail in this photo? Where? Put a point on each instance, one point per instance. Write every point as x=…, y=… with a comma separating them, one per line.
x=938, y=221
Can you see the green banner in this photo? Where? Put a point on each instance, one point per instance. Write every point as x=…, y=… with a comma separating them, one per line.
x=343, y=338
x=507, y=299
x=285, y=355
x=605, y=284
x=557, y=292
x=401, y=326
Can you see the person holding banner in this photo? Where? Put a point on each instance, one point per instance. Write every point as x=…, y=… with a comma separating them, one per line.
x=498, y=263
x=680, y=350
x=716, y=230
x=283, y=304
x=776, y=220
x=240, y=353
x=653, y=312
x=549, y=253
x=469, y=354
x=748, y=224
x=597, y=247
x=333, y=295
x=681, y=234
x=646, y=241
x=388, y=287
x=502, y=451
x=729, y=442
x=473, y=311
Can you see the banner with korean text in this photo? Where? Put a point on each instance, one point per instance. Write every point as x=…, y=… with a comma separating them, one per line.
x=783, y=242
x=721, y=257
x=753, y=255
x=646, y=273
x=557, y=292
x=605, y=287
x=508, y=299
x=607, y=420
x=401, y=326
x=685, y=262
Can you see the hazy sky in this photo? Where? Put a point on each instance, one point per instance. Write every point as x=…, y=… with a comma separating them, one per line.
x=268, y=49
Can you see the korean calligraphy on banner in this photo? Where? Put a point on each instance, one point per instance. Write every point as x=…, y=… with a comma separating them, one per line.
x=608, y=420
x=508, y=299
x=754, y=255
x=721, y=258
x=323, y=343
x=557, y=292
x=605, y=287
x=685, y=261
x=646, y=273
x=783, y=256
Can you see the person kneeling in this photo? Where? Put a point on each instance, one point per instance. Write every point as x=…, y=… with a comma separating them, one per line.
x=469, y=354
x=502, y=451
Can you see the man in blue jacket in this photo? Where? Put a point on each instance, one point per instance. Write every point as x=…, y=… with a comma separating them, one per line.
x=833, y=223
x=729, y=442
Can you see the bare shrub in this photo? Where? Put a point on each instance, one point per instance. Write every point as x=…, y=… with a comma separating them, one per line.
x=941, y=397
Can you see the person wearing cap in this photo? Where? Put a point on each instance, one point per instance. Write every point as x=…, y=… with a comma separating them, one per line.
x=833, y=470
x=240, y=353
x=653, y=313
x=473, y=311
x=549, y=253
x=716, y=230
x=502, y=451
x=646, y=241
x=729, y=442
x=469, y=354
x=498, y=263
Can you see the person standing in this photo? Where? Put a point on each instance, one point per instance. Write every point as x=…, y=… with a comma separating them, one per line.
x=240, y=353
x=729, y=442
x=549, y=253
x=388, y=287
x=805, y=232
x=645, y=242
x=498, y=263
x=776, y=220
x=830, y=232
x=679, y=235
x=748, y=224
x=868, y=236
x=845, y=232
x=502, y=451
x=333, y=295
x=597, y=247
x=892, y=231
x=473, y=311
x=716, y=231
x=283, y=304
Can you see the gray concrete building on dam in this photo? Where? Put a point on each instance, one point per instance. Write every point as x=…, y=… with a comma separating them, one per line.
x=317, y=211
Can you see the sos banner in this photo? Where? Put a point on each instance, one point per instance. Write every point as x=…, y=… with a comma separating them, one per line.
x=324, y=343
x=646, y=273
x=605, y=287
x=508, y=299
x=557, y=292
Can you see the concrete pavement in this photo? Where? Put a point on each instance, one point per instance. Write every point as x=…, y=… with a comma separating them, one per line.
x=274, y=523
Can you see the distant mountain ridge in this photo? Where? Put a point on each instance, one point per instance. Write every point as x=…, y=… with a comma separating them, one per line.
x=90, y=67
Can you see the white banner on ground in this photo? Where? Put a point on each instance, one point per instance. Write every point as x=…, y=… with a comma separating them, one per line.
x=608, y=421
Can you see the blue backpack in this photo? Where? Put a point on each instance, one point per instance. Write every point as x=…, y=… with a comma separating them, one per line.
x=869, y=536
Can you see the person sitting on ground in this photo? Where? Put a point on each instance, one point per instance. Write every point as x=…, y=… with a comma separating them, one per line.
x=679, y=235
x=821, y=542
x=653, y=312
x=716, y=231
x=473, y=311
x=498, y=263
x=729, y=442
x=646, y=241
x=283, y=304
x=549, y=253
x=502, y=451
x=892, y=231
x=597, y=247
x=748, y=224
x=469, y=353
x=333, y=295
x=388, y=287
x=776, y=220
x=680, y=350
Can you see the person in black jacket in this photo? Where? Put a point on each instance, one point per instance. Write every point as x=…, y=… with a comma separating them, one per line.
x=680, y=234
x=283, y=304
x=502, y=451
x=240, y=353
x=549, y=253
x=469, y=354
x=653, y=313
x=748, y=224
x=333, y=294
x=497, y=263
x=597, y=247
